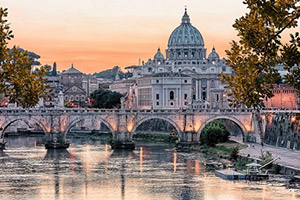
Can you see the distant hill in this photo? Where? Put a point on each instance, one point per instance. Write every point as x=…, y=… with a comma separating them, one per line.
x=112, y=73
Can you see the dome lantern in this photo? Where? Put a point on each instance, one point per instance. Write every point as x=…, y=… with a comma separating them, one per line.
x=185, y=18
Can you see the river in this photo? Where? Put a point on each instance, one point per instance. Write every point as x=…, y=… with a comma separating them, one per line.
x=92, y=170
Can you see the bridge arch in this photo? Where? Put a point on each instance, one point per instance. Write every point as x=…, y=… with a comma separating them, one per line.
x=233, y=119
x=79, y=119
x=138, y=123
x=26, y=121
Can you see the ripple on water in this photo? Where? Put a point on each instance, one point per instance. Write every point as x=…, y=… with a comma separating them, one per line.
x=94, y=171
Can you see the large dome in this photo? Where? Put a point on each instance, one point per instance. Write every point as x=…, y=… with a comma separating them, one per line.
x=186, y=34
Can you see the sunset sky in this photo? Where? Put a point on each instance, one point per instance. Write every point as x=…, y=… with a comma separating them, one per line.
x=99, y=34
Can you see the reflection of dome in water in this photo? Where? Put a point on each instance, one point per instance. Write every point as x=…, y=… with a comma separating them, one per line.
x=186, y=34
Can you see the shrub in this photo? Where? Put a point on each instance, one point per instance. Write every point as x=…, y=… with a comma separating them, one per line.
x=215, y=132
x=234, y=152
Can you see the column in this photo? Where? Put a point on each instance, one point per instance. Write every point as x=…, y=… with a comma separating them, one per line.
x=197, y=89
x=166, y=97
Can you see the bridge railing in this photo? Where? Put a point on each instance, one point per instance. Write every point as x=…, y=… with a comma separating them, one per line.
x=122, y=111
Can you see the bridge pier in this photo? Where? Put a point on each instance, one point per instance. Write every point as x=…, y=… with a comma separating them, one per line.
x=2, y=144
x=187, y=140
x=122, y=140
x=56, y=141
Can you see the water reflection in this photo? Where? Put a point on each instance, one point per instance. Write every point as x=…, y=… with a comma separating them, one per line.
x=141, y=160
x=55, y=155
x=174, y=161
x=93, y=171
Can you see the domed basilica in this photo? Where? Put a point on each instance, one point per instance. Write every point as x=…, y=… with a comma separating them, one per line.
x=186, y=77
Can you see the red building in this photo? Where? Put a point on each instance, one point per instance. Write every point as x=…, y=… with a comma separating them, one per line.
x=285, y=97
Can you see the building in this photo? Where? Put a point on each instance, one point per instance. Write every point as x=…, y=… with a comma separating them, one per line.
x=72, y=81
x=53, y=80
x=90, y=84
x=186, y=74
x=284, y=97
x=164, y=91
x=122, y=86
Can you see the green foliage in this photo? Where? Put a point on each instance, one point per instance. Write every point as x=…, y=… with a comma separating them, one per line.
x=259, y=49
x=215, y=132
x=234, y=152
x=105, y=99
x=155, y=137
x=111, y=73
x=17, y=81
x=241, y=163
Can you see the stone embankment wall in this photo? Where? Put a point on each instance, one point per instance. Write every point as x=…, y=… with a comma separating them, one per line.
x=283, y=130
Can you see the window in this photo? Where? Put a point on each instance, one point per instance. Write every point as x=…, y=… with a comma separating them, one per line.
x=77, y=98
x=185, y=96
x=157, y=103
x=179, y=70
x=171, y=103
x=157, y=96
x=212, y=84
x=224, y=69
x=82, y=98
x=72, y=98
x=185, y=81
x=157, y=81
x=204, y=95
x=66, y=97
x=172, y=95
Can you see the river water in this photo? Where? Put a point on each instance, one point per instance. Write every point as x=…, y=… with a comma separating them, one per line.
x=92, y=170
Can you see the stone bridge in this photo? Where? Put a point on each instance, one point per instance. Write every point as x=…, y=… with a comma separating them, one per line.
x=56, y=123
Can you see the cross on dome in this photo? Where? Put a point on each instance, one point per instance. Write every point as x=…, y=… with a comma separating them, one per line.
x=185, y=18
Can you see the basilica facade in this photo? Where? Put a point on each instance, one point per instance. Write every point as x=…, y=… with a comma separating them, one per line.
x=185, y=77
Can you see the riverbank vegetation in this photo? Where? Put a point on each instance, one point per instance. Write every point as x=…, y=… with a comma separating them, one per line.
x=155, y=138
x=93, y=135
x=213, y=133
x=227, y=150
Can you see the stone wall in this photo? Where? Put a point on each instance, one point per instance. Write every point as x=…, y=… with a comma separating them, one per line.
x=283, y=130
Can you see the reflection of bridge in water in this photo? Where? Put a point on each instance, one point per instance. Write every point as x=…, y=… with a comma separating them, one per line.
x=57, y=123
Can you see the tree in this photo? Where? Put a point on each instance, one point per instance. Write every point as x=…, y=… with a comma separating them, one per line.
x=214, y=133
x=260, y=48
x=110, y=73
x=17, y=81
x=105, y=99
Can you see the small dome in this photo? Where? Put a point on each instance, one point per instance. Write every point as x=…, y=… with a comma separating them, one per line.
x=158, y=56
x=186, y=34
x=72, y=70
x=213, y=56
